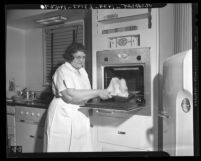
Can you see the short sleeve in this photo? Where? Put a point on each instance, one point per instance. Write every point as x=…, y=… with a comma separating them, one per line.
x=86, y=79
x=63, y=79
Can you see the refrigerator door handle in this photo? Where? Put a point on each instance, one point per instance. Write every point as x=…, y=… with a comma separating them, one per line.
x=186, y=105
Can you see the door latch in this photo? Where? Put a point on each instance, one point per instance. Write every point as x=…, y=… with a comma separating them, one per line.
x=185, y=105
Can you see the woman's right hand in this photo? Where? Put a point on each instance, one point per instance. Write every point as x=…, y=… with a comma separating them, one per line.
x=104, y=94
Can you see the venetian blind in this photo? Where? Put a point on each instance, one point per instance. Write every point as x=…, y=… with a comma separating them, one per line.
x=56, y=41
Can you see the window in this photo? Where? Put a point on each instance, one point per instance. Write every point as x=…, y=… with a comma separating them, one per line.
x=56, y=39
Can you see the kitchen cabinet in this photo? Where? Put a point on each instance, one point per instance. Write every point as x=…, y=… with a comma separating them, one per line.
x=11, y=127
x=118, y=131
x=113, y=16
x=156, y=31
x=29, y=137
x=30, y=128
x=132, y=131
x=124, y=132
x=121, y=20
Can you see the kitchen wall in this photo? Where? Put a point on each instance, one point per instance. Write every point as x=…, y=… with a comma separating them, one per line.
x=24, y=58
x=166, y=49
x=16, y=56
x=34, y=59
x=166, y=36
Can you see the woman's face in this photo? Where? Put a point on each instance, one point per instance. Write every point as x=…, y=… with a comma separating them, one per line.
x=79, y=60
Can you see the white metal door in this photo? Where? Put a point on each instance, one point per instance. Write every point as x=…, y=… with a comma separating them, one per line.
x=29, y=136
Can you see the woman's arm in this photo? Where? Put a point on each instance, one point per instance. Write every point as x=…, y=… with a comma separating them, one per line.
x=79, y=96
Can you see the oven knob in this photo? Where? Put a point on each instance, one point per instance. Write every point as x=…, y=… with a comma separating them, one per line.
x=38, y=115
x=27, y=113
x=122, y=55
x=106, y=59
x=138, y=57
x=22, y=112
x=32, y=114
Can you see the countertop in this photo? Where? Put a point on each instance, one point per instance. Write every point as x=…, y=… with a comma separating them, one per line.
x=35, y=104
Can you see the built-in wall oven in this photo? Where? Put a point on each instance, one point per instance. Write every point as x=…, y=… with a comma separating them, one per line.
x=133, y=65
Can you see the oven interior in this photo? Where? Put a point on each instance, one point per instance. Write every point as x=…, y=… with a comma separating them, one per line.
x=133, y=75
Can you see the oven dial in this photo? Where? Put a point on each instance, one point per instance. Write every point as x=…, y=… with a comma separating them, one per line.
x=27, y=113
x=106, y=59
x=22, y=112
x=122, y=55
x=32, y=114
x=38, y=115
x=138, y=57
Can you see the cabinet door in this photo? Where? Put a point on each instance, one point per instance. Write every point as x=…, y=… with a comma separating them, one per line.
x=10, y=110
x=11, y=129
x=133, y=132
x=11, y=122
x=31, y=139
x=110, y=13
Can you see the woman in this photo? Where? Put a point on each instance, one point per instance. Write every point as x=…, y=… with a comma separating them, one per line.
x=67, y=125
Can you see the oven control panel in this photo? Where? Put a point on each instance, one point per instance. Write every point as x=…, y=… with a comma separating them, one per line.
x=123, y=56
x=30, y=115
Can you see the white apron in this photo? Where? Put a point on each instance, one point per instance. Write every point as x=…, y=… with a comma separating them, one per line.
x=67, y=127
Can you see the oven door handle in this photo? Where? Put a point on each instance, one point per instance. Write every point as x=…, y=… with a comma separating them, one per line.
x=105, y=111
x=32, y=136
x=22, y=120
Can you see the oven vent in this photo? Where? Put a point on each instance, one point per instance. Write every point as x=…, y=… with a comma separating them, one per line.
x=124, y=41
x=121, y=29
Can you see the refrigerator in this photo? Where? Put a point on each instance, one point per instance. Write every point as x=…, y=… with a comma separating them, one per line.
x=177, y=109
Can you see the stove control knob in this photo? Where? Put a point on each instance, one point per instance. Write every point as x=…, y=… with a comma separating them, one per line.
x=27, y=113
x=138, y=57
x=122, y=55
x=22, y=112
x=32, y=114
x=38, y=115
x=106, y=59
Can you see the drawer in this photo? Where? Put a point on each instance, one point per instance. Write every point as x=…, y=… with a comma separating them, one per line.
x=133, y=132
x=11, y=120
x=10, y=130
x=10, y=109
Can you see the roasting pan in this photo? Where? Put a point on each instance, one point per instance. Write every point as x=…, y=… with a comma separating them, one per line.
x=134, y=101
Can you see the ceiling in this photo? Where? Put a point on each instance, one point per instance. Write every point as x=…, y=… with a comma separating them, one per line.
x=26, y=18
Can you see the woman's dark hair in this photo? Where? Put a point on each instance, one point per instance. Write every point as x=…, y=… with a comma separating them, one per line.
x=72, y=49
